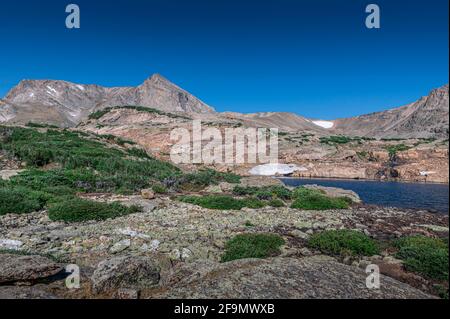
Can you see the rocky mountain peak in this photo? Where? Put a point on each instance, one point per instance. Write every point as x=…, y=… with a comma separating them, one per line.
x=67, y=104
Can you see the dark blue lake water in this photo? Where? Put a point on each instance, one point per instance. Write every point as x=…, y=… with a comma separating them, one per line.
x=389, y=194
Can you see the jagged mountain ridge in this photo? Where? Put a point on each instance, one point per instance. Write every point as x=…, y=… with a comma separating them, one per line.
x=67, y=104
x=425, y=118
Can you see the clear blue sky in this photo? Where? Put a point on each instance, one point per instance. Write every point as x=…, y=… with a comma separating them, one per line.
x=313, y=57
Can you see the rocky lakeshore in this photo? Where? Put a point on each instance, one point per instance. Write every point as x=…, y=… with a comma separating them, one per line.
x=173, y=249
x=84, y=215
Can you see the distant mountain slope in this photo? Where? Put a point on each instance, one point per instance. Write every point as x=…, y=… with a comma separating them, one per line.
x=289, y=122
x=66, y=104
x=428, y=117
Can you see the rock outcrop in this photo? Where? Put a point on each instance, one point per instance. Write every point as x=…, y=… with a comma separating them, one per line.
x=317, y=277
x=17, y=268
x=67, y=104
x=428, y=117
x=125, y=272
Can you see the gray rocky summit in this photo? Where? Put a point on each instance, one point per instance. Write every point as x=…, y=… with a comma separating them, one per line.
x=67, y=104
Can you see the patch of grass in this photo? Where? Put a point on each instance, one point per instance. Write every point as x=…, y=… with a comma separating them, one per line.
x=86, y=164
x=159, y=189
x=40, y=125
x=424, y=255
x=79, y=210
x=309, y=199
x=276, y=203
x=115, y=139
x=138, y=152
x=393, y=150
x=252, y=246
x=205, y=177
x=341, y=242
x=264, y=193
x=336, y=140
x=99, y=114
x=222, y=202
x=362, y=154
x=20, y=201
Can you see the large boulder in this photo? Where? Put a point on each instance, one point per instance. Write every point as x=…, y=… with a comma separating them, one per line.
x=317, y=277
x=15, y=292
x=336, y=192
x=18, y=268
x=125, y=272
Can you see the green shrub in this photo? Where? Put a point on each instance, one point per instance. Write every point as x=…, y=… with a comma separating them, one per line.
x=213, y=202
x=336, y=140
x=79, y=210
x=138, y=152
x=424, y=255
x=207, y=177
x=276, y=203
x=159, y=189
x=252, y=246
x=40, y=125
x=99, y=114
x=309, y=199
x=252, y=203
x=222, y=202
x=339, y=242
x=393, y=150
x=264, y=193
x=19, y=201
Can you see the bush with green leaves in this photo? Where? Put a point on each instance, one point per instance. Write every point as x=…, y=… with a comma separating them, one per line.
x=336, y=140
x=20, y=201
x=205, y=177
x=222, y=202
x=393, y=150
x=310, y=199
x=99, y=114
x=252, y=246
x=264, y=193
x=79, y=210
x=276, y=203
x=343, y=242
x=159, y=189
x=424, y=255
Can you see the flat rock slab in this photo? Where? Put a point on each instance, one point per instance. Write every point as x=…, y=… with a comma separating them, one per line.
x=317, y=277
x=336, y=192
x=19, y=268
x=13, y=292
x=125, y=272
x=7, y=174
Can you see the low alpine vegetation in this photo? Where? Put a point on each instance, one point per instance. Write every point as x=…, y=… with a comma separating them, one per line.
x=264, y=193
x=85, y=163
x=222, y=202
x=252, y=246
x=99, y=114
x=309, y=199
x=19, y=201
x=344, y=242
x=79, y=210
x=424, y=255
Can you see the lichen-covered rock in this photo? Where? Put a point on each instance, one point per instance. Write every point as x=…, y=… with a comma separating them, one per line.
x=17, y=268
x=147, y=194
x=337, y=192
x=281, y=278
x=15, y=292
x=125, y=272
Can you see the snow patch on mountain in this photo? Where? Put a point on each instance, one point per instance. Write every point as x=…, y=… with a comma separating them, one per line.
x=276, y=169
x=324, y=124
